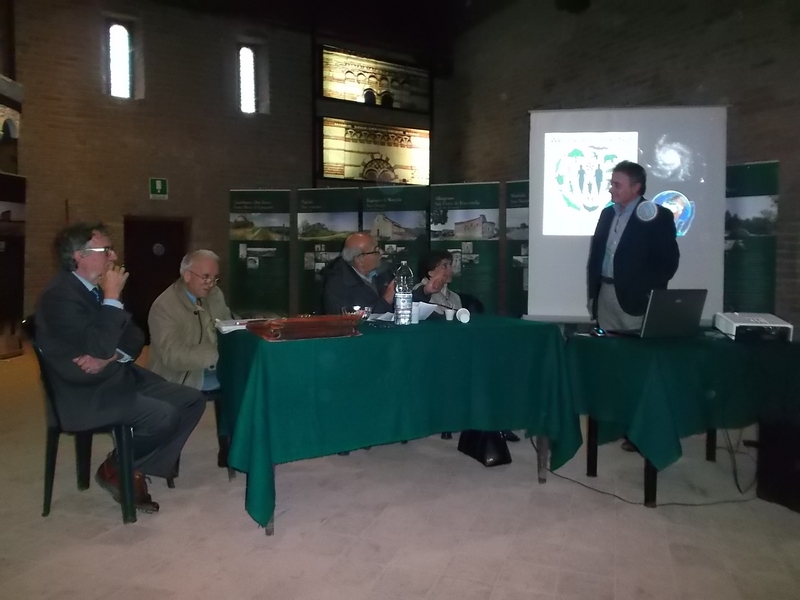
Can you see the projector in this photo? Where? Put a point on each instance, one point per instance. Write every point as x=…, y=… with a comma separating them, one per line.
x=753, y=326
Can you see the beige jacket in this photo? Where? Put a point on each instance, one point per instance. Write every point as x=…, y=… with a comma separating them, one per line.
x=183, y=339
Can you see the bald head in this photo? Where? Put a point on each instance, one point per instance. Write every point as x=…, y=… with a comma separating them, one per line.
x=362, y=252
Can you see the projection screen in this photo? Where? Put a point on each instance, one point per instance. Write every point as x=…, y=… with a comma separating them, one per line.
x=572, y=155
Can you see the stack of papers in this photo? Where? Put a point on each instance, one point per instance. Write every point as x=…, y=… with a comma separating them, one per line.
x=425, y=311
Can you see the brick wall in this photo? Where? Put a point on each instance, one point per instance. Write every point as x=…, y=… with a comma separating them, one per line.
x=81, y=147
x=743, y=54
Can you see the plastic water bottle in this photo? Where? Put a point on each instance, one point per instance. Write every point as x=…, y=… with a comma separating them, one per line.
x=403, y=284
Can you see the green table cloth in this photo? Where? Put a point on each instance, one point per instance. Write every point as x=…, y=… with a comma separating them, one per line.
x=660, y=390
x=286, y=401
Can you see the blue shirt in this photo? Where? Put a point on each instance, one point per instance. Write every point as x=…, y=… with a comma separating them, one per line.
x=368, y=279
x=623, y=215
x=109, y=302
x=210, y=379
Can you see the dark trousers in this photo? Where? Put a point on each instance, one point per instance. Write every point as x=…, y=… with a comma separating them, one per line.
x=162, y=416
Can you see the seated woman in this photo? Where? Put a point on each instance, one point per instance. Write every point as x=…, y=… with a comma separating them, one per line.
x=437, y=267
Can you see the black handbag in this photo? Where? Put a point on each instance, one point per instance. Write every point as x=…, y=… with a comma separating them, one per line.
x=487, y=447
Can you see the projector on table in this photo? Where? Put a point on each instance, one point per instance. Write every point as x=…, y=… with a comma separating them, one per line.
x=753, y=326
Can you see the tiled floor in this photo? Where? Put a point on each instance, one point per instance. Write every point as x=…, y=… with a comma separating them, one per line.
x=419, y=521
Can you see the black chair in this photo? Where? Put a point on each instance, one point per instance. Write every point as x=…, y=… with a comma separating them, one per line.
x=122, y=434
x=472, y=304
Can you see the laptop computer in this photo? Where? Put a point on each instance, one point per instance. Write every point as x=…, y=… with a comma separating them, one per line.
x=671, y=313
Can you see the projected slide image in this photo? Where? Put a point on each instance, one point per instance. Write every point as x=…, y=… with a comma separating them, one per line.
x=577, y=171
x=674, y=161
x=682, y=209
x=474, y=224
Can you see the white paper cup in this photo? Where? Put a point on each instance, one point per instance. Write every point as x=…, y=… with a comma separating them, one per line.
x=414, y=313
x=449, y=313
x=463, y=315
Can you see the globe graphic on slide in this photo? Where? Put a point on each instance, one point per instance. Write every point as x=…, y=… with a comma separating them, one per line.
x=681, y=207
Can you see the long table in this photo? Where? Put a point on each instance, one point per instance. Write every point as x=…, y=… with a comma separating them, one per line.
x=287, y=401
x=659, y=391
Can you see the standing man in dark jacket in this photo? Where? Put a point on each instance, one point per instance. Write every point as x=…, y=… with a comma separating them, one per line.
x=89, y=343
x=350, y=279
x=634, y=250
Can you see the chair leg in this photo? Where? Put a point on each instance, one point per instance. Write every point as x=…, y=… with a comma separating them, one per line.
x=223, y=441
x=50, y=454
x=175, y=472
x=123, y=439
x=83, y=459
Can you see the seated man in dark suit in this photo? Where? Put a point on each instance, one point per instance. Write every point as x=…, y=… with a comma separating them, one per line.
x=350, y=280
x=89, y=342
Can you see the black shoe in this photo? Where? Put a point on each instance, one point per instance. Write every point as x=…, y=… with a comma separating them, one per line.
x=510, y=436
x=629, y=446
x=447, y=435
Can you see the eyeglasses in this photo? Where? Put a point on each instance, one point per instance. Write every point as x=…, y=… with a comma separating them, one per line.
x=376, y=251
x=206, y=278
x=104, y=249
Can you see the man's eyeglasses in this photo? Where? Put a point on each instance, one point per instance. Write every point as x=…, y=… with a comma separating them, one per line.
x=206, y=278
x=376, y=251
x=104, y=249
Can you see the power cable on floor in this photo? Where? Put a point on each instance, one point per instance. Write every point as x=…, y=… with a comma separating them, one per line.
x=613, y=495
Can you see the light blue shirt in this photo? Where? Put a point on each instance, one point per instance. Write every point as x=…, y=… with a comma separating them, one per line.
x=623, y=215
x=210, y=379
x=368, y=279
x=109, y=302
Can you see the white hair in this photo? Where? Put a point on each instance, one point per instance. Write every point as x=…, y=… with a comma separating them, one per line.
x=187, y=261
x=349, y=254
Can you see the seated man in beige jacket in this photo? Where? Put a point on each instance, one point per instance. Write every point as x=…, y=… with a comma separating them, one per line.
x=183, y=337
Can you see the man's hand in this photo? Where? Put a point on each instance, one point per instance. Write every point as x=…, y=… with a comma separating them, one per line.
x=92, y=365
x=113, y=281
x=434, y=285
x=388, y=295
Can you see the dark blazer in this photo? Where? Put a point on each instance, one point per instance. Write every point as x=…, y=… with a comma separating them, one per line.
x=70, y=323
x=646, y=258
x=343, y=288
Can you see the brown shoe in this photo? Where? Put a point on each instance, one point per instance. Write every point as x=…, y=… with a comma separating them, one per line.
x=107, y=477
x=141, y=496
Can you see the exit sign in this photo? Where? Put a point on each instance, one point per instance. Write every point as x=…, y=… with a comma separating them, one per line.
x=158, y=189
